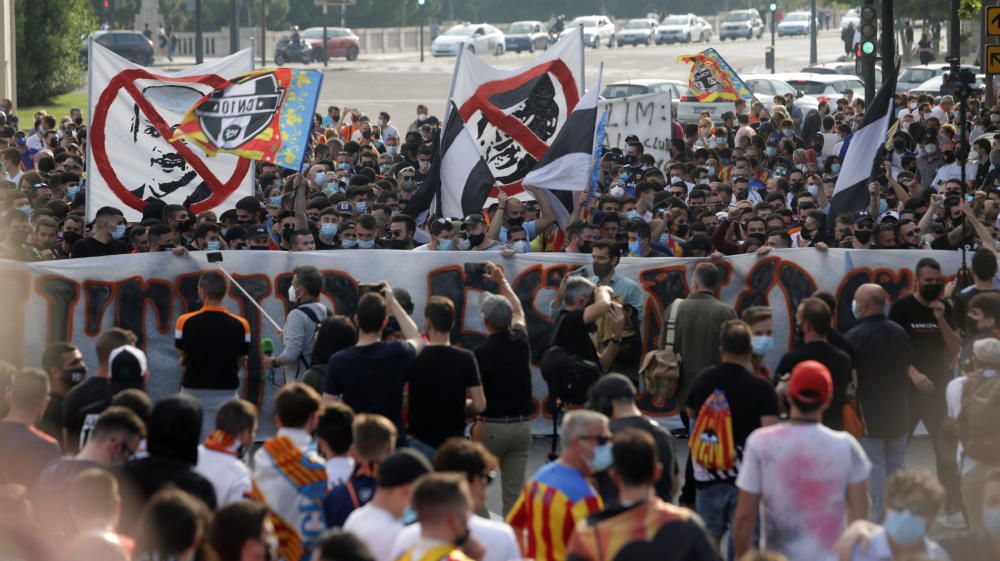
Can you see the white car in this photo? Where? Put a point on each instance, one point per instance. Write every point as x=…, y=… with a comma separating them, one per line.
x=795, y=23
x=914, y=76
x=683, y=28
x=596, y=30
x=828, y=87
x=637, y=32
x=741, y=24
x=850, y=16
x=477, y=38
x=765, y=87
x=686, y=107
x=932, y=86
x=846, y=68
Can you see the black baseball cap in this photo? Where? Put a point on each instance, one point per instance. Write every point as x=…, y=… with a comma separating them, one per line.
x=256, y=232
x=402, y=467
x=128, y=366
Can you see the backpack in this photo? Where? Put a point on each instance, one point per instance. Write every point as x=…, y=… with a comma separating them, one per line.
x=712, y=437
x=661, y=374
x=317, y=322
x=568, y=376
x=978, y=428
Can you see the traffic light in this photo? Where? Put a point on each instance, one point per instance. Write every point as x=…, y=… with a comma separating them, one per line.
x=866, y=47
x=773, y=7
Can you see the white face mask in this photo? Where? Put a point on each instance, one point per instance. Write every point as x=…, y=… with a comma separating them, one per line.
x=291, y=293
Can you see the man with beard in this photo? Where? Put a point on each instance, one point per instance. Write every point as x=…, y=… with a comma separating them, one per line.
x=510, y=212
x=581, y=236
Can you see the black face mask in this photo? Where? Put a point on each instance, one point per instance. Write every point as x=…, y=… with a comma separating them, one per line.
x=257, y=247
x=586, y=246
x=335, y=118
x=398, y=244
x=185, y=225
x=515, y=221
x=682, y=230
x=863, y=236
x=931, y=291
x=948, y=157
x=74, y=376
x=899, y=145
x=796, y=186
x=476, y=239
x=70, y=238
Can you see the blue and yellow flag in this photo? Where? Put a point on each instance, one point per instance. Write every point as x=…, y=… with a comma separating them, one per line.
x=265, y=115
x=712, y=79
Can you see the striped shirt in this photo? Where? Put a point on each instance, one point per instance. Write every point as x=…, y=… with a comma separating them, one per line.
x=213, y=340
x=549, y=508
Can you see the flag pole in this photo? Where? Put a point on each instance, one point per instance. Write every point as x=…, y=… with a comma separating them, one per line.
x=451, y=90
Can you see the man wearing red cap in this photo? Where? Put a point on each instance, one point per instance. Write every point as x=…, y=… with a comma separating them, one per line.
x=809, y=477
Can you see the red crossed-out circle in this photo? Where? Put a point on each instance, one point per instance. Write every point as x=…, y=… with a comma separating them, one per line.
x=126, y=80
x=480, y=101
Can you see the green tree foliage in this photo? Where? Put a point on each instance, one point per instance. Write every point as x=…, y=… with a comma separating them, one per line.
x=49, y=38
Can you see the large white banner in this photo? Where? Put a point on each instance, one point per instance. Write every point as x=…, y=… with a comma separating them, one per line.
x=132, y=110
x=77, y=299
x=646, y=116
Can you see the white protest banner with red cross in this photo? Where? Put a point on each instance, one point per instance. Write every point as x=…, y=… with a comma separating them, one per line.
x=133, y=110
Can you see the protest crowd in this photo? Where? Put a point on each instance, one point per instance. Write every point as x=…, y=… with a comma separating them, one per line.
x=386, y=436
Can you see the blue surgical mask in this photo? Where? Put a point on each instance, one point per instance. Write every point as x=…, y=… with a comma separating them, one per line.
x=762, y=344
x=883, y=207
x=664, y=238
x=445, y=245
x=72, y=190
x=321, y=179
x=464, y=244
x=344, y=166
x=328, y=229
x=361, y=207
x=813, y=189
x=119, y=232
x=348, y=244
x=521, y=246
x=366, y=244
x=632, y=214
x=602, y=459
x=212, y=246
x=409, y=516
x=835, y=168
x=392, y=150
x=384, y=167
x=854, y=309
x=276, y=200
x=223, y=231
x=991, y=521
x=26, y=210
x=905, y=528
x=623, y=177
x=771, y=151
x=330, y=189
x=787, y=132
x=635, y=247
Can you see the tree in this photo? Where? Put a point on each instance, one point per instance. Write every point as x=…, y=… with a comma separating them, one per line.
x=48, y=56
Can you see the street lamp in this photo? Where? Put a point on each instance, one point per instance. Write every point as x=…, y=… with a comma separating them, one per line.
x=421, y=4
x=769, y=54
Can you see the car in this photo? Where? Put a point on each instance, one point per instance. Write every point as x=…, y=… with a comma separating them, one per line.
x=795, y=23
x=933, y=86
x=683, y=28
x=476, y=38
x=686, y=107
x=637, y=32
x=596, y=30
x=849, y=17
x=744, y=24
x=765, y=87
x=823, y=87
x=340, y=42
x=130, y=45
x=914, y=76
x=847, y=68
x=526, y=36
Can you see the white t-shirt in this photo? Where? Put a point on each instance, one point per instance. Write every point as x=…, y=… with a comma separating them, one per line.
x=228, y=474
x=339, y=470
x=496, y=538
x=953, y=397
x=802, y=472
x=376, y=527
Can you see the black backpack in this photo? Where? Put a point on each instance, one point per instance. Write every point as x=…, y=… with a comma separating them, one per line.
x=568, y=376
x=311, y=314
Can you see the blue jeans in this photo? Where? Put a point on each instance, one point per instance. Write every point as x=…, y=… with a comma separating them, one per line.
x=888, y=455
x=716, y=504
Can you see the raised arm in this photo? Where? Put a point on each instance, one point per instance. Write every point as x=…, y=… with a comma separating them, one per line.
x=498, y=217
x=548, y=214
x=495, y=274
x=406, y=324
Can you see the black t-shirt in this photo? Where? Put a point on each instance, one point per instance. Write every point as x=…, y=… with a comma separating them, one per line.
x=438, y=380
x=51, y=421
x=91, y=247
x=370, y=378
x=573, y=335
x=664, y=450
x=89, y=397
x=960, y=308
x=750, y=397
x=930, y=355
x=213, y=341
x=505, y=368
x=839, y=365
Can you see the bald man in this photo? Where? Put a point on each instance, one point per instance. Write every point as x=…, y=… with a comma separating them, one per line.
x=882, y=357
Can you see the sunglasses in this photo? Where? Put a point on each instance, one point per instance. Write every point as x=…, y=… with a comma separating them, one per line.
x=600, y=439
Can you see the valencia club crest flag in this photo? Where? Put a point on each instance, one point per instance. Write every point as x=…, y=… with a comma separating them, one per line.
x=712, y=79
x=264, y=115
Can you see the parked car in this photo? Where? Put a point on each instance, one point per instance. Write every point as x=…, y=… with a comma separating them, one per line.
x=765, y=87
x=914, y=76
x=130, y=45
x=340, y=42
x=933, y=86
x=795, y=23
x=481, y=38
x=846, y=68
x=527, y=36
x=596, y=30
x=741, y=24
x=829, y=87
x=683, y=28
x=637, y=32
x=850, y=16
x=685, y=106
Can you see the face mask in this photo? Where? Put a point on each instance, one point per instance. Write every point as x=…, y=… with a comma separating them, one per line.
x=913, y=106
x=366, y=244
x=771, y=151
x=796, y=186
x=787, y=132
x=664, y=238
x=476, y=239
x=521, y=246
x=586, y=247
x=25, y=209
x=409, y=516
x=812, y=189
x=421, y=116
x=348, y=244
x=991, y=521
x=905, y=528
x=328, y=230
x=212, y=246
x=883, y=206
x=445, y=245
x=863, y=236
x=835, y=168
x=292, y=297
x=602, y=459
x=995, y=118
x=119, y=232
x=930, y=148
x=409, y=186
x=383, y=167
x=632, y=214
x=321, y=179
x=635, y=247
x=623, y=177
x=276, y=200
x=780, y=172
x=392, y=150
x=711, y=170
x=74, y=376
x=854, y=309
x=682, y=230
x=344, y=166
x=464, y=244
x=361, y=207
x=762, y=344
x=515, y=221
x=931, y=291
x=948, y=157
x=617, y=192
x=71, y=191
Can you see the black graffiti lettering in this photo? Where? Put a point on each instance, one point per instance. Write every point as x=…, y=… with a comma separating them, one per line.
x=342, y=289
x=759, y=282
x=454, y=282
x=797, y=285
x=663, y=286
x=98, y=296
x=60, y=293
x=895, y=284
x=131, y=306
x=187, y=288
